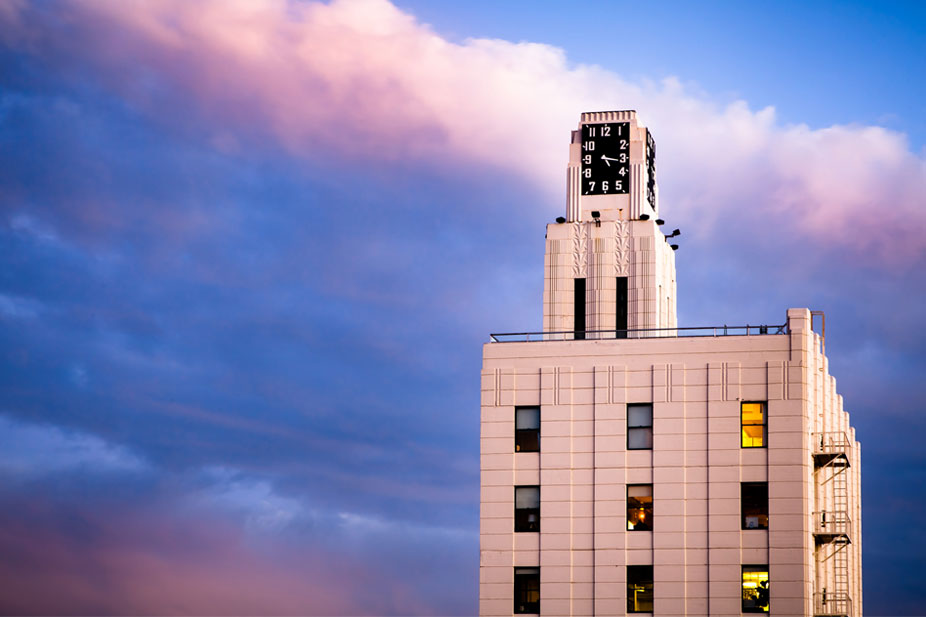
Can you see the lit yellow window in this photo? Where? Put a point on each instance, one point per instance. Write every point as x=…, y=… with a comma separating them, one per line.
x=755, y=589
x=753, y=421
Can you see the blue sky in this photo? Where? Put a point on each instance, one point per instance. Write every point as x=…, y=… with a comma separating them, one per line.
x=819, y=63
x=250, y=253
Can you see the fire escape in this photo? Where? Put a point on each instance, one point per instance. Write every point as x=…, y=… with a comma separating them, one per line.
x=832, y=525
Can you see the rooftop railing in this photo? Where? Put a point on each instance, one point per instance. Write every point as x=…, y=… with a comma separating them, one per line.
x=602, y=335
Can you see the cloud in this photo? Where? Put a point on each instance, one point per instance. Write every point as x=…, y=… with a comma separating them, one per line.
x=39, y=449
x=360, y=79
x=364, y=525
x=262, y=507
x=28, y=226
x=154, y=558
x=17, y=307
x=218, y=541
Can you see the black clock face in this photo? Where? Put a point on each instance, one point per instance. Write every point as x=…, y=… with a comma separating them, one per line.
x=606, y=158
x=651, y=170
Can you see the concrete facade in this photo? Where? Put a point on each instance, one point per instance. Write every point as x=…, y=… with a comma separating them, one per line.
x=590, y=393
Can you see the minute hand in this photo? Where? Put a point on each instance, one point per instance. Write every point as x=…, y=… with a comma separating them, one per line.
x=606, y=160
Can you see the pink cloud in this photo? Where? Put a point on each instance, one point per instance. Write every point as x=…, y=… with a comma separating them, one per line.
x=360, y=79
x=148, y=560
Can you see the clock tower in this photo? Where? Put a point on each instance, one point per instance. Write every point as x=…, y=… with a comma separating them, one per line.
x=609, y=267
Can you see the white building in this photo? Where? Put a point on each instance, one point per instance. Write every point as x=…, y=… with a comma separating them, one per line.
x=633, y=466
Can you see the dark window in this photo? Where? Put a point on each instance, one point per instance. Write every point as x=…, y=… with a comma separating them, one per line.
x=527, y=508
x=527, y=429
x=639, y=507
x=754, y=503
x=754, y=422
x=621, y=316
x=639, y=589
x=755, y=589
x=640, y=426
x=526, y=590
x=579, y=308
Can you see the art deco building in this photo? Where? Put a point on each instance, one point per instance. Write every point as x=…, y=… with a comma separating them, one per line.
x=630, y=465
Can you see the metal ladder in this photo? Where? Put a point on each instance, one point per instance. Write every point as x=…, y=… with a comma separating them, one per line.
x=840, y=480
x=834, y=543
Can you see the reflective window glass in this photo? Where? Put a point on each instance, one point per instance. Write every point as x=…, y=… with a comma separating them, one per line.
x=527, y=508
x=640, y=426
x=527, y=429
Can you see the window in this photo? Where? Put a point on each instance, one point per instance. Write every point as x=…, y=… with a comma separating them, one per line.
x=755, y=589
x=639, y=507
x=578, y=302
x=754, y=504
x=639, y=589
x=527, y=508
x=754, y=420
x=527, y=429
x=640, y=426
x=526, y=590
x=620, y=317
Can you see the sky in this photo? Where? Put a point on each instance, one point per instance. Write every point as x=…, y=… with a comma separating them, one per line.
x=250, y=252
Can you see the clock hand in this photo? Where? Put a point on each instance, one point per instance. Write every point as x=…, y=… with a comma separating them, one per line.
x=606, y=160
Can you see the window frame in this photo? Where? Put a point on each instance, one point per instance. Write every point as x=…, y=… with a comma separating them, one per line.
x=640, y=427
x=518, y=432
x=743, y=514
x=759, y=568
x=763, y=424
x=525, y=513
x=648, y=520
x=646, y=582
x=521, y=575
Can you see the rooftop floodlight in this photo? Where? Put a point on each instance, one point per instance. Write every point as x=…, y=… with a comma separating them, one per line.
x=660, y=222
x=561, y=219
x=644, y=217
x=596, y=214
x=674, y=247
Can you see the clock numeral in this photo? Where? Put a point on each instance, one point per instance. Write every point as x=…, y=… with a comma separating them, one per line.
x=624, y=144
x=605, y=131
x=587, y=159
x=623, y=171
x=587, y=172
x=588, y=146
x=591, y=131
x=604, y=186
x=623, y=157
x=591, y=185
x=618, y=185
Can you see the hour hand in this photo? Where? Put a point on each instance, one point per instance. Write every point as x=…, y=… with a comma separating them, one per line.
x=607, y=160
